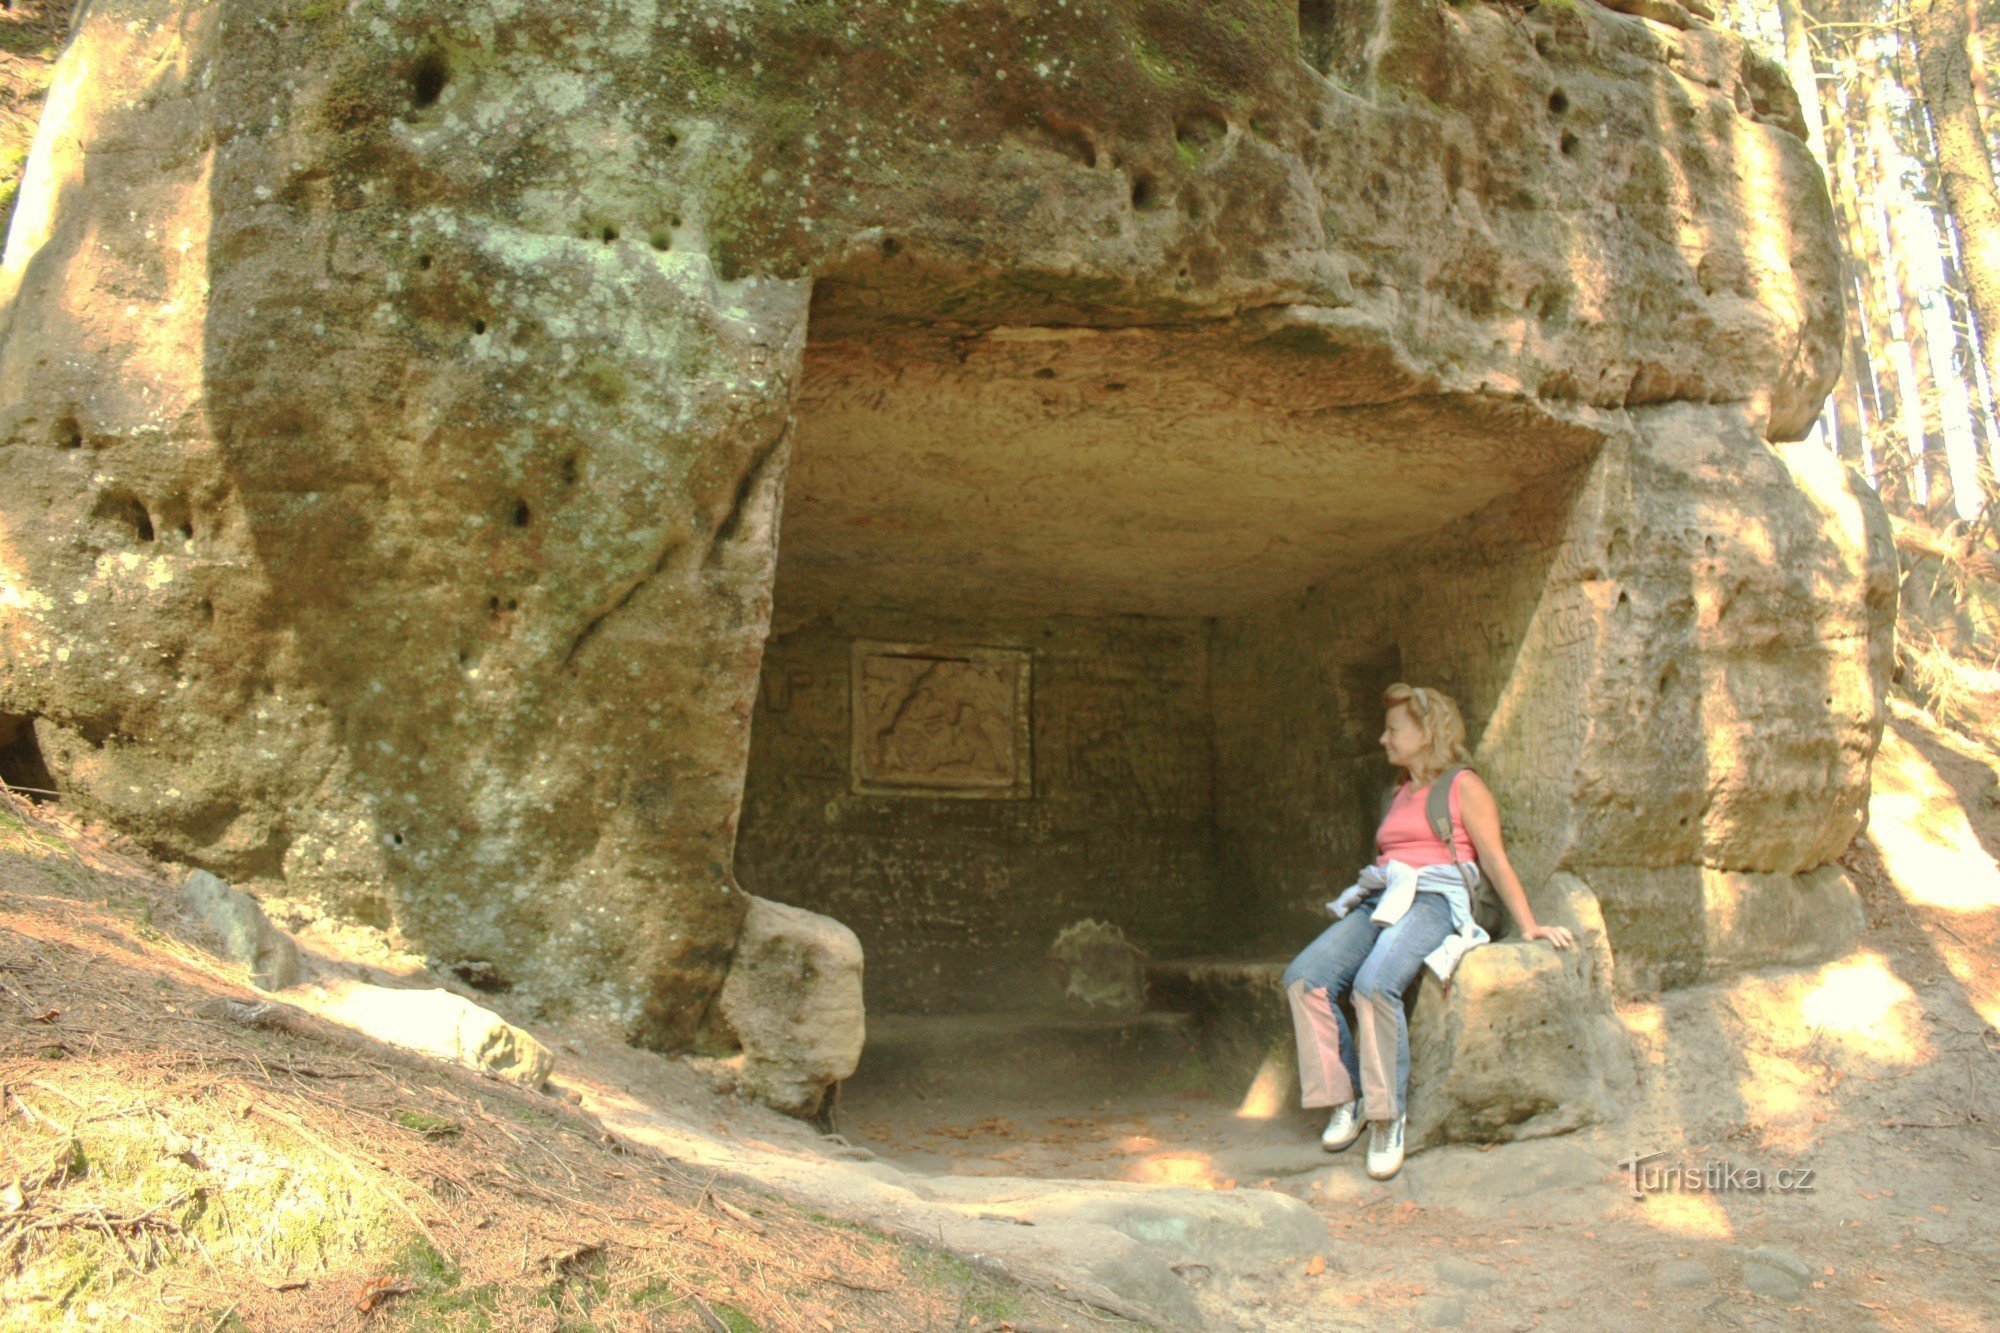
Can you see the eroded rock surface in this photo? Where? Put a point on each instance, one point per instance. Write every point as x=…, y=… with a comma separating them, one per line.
x=398, y=401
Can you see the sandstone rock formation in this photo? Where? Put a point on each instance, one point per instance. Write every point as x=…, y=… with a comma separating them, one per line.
x=1524, y=1044
x=398, y=399
x=793, y=1002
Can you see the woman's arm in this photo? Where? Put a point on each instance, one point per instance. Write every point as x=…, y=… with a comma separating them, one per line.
x=1482, y=824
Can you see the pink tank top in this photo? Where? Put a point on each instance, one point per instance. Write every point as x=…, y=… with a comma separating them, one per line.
x=1406, y=834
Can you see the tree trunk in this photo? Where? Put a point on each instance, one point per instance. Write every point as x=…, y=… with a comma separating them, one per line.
x=1804, y=75
x=1944, y=74
x=1901, y=460
x=1982, y=91
x=1868, y=323
x=1926, y=253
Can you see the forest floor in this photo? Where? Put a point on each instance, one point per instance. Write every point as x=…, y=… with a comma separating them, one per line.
x=1876, y=1073
x=178, y=1153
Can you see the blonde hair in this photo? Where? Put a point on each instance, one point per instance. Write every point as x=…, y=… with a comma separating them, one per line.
x=1436, y=714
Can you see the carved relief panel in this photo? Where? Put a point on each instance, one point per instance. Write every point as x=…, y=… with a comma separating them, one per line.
x=936, y=720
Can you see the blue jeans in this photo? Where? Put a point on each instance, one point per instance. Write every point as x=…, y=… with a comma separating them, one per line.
x=1376, y=964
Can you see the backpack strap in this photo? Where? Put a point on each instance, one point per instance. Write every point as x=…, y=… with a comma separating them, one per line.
x=1437, y=809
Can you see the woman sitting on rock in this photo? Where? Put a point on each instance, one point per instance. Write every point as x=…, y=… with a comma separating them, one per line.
x=1412, y=908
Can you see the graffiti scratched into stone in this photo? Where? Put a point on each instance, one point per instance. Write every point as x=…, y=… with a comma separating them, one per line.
x=940, y=721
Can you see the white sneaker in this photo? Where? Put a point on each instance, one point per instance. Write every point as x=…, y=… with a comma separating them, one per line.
x=1344, y=1128
x=1385, y=1148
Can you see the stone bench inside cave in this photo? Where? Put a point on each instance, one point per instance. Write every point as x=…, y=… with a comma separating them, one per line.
x=1522, y=1044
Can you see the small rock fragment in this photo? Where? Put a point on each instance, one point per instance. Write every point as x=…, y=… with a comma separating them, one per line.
x=246, y=935
x=1441, y=1311
x=1099, y=968
x=1770, y=1271
x=441, y=1025
x=1682, y=1273
x=1464, y=1273
x=793, y=997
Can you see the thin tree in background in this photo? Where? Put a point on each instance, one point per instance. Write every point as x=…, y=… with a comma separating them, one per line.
x=1942, y=33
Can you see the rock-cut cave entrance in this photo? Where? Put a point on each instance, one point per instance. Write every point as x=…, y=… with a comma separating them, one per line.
x=1078, y=623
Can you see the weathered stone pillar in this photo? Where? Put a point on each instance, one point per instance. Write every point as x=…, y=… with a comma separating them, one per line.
x=404, y=484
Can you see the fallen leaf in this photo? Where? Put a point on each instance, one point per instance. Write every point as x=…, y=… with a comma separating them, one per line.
x=378, y=1291
x=559, y=1263
x=1316, y=1265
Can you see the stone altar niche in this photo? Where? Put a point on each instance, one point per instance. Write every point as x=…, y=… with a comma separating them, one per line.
x=930, y=720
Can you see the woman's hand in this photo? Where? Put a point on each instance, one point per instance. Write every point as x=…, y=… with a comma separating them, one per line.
x=1556, y=935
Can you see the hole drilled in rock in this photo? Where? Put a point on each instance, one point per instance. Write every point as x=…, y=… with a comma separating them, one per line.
x=1145, y=193
x=1067, y=137
x=428, y=79
x=478, y=328
x=1558, y=102
x=522, y=514
x=127, y=511
x=1570, y=144
x=1200, y=130
x=482, y=975
x=68, y=434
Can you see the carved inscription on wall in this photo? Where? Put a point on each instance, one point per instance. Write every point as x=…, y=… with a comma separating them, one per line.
x=932, y=720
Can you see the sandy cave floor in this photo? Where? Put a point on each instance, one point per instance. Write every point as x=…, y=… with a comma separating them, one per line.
x=1877, y=1072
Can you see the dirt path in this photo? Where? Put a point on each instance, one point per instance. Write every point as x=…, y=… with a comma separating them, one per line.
x=1876, y=1073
